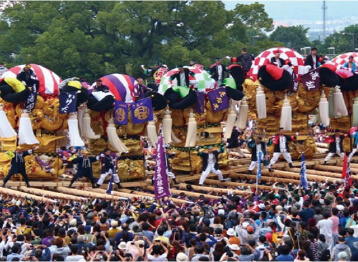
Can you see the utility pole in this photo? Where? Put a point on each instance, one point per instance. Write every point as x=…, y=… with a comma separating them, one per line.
x=324, y=8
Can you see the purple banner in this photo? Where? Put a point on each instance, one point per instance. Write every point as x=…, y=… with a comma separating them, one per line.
x=294, y=85
x=311, y=80
x=161, y=186
x=142, y=111
x=31, y=99
x=200, y=102
x=218, y=99
x=121, y=113
x=68, y=102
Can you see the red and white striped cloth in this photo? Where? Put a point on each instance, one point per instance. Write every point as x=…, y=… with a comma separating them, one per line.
x=340, y=60
x=48, y=79
x=264, y=58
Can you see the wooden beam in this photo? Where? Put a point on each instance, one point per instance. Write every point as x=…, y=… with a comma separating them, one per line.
x=236, y=184
x=267, y=178
x=144, y=194
x=215, y=189
x=188, y=193
x=16, y=193
x=89, y=193
x=47, y=193
x=288, y=174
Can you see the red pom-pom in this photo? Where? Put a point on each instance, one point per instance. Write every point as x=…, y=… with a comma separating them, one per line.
x=331, y=67
x=275, y=72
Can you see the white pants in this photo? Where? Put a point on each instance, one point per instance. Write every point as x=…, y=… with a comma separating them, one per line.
x=341, y=154
x=210, y=168
x=352, y=154
x=103, y=177
x=170, y=174
x=253, y=165
x=276, y=155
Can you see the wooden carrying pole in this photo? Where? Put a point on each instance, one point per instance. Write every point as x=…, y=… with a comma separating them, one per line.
x=215, y=189
x=24, y=195
x=235, y=184
x=50, y=194
x=188, y=193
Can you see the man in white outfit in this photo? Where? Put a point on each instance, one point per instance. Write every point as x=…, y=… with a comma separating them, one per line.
x=257, y=146
x=108, y=167
x=281, y=148
x=210, y=164
x=335, y=147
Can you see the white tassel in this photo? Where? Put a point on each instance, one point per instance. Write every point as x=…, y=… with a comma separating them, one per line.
x=167, y=126
x=73, y=132
x=355, y=112
x=152, y=132
x=260, y=103
x=230, y=123
x=175, y=139
x=6, y=129
x=331, y=103
x=242, y=116
x=80, y=112
x=286, y=115
x=324, y=110
x=26, y=134
x=113, y=138
x=191, y=135
x=340, y=108
x=87, y=129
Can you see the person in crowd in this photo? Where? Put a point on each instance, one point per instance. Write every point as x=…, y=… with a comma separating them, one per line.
x=217, y=71
x=18, y=165
x=312, y=59
x=84, y=164
x=276, y=60
x=182, y=77
x=281, y=148
x=100, y=87
x=335, y=146
x=28, y=76
x=210, y=164
x=351, y=65
x=108, y=167
x=140, y=89
x=257, y=146
x=246, y=60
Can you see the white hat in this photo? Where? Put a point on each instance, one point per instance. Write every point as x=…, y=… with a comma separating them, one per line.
x=262, y=206
x=114, y=223
x=73, y=222
x=140, y=242
x=181, y=257
x=245, y=224
x=122, y=245
x=340, y=207
x=234, y=247
x=279, y=208
x=231, y=232
x=221, y=212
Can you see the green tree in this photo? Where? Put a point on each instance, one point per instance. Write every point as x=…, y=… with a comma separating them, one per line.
x=294, y=37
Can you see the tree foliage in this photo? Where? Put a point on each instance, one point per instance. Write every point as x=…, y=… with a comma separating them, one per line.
x=90, y=39
x=292, y=36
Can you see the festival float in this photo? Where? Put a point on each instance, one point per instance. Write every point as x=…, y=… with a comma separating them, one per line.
x=72, y=113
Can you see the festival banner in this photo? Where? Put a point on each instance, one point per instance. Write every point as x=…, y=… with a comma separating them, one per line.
x=303, y=173
x=68, y=102
x=259, y=166
x=311, y=80
x=142, y=111
x=200, y=102
x=161, y=185
x=31, y=99
x=120, y=113
x=294, y=84
x=218, y=99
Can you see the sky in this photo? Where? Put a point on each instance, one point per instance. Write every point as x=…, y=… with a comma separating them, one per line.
x=339, y=14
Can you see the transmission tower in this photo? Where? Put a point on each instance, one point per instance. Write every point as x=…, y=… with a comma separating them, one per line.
x=324, y=8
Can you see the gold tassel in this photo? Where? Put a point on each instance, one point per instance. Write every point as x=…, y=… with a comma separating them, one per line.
x=324, y=110
x=340, y=108
x=191, y=135
x=167, y=126
x=286, y=115
x=261, y=103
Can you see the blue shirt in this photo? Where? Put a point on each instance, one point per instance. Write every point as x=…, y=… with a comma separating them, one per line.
x=285, y=258
x=306, y=214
